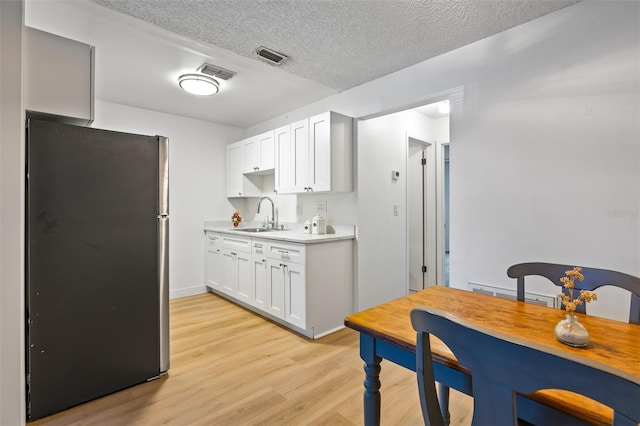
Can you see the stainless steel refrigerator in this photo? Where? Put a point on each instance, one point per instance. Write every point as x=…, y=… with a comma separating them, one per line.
x=97, y=288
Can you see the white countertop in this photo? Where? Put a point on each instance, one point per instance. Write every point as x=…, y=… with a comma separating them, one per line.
x=293, y=232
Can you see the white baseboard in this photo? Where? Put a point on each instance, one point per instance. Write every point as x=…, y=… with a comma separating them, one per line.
x=189, y=291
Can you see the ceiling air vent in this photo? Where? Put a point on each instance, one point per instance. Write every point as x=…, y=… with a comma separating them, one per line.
x=271, y=55
x=216, y=71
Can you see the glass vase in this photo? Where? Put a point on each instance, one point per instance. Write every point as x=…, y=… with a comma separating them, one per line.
x=570, y=332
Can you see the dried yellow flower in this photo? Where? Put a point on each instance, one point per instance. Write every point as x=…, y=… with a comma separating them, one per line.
x=568, y=282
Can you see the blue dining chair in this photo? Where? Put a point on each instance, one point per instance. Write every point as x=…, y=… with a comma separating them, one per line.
x=504, y=366
x=593, y=279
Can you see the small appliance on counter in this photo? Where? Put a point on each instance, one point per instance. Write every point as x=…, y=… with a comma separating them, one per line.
x=307, y=226
x=318, y=225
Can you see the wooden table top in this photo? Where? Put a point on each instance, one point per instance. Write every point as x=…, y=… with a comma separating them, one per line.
x=614, y=345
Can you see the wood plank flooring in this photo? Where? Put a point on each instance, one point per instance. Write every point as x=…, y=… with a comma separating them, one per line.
x=232, y=367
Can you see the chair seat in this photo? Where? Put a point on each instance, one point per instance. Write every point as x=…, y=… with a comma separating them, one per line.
x=576, y=405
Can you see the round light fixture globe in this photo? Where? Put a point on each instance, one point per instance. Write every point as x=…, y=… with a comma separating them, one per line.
x=198, y=84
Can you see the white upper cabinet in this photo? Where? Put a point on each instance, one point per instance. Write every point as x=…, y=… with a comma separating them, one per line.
x=310, y=155
x=58, y=77
x=259, y=153
x=321, y=157
x=240, y=184
x=330, y=153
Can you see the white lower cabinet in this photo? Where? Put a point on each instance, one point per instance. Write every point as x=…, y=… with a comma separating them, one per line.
x=236, y=266
x=213, y=260
x=306, y=287
x=286, y=288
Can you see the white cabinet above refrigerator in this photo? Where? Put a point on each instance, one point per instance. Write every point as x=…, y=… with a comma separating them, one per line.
x=59, y=78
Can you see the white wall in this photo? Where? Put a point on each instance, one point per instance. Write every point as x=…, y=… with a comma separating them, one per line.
x=545, y=144
x=197, y=182
x=341, y=207
x=382, y=242
x=12, y=387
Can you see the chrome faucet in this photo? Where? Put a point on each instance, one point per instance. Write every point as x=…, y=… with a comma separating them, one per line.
x=274, y=224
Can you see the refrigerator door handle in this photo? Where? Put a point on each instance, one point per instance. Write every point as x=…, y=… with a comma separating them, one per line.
x=163, y=248
x=163, y=282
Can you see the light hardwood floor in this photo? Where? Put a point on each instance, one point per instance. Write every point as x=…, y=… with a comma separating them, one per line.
x=232, y=367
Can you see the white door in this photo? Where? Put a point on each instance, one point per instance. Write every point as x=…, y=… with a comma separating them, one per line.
x=251, y=155
x=320, y=152
x=284, y=160
x=300, y=155
x=266, y=151
x=243, y=274
x=295, y=294
x=259, y=291
x=213, y=262
x=229, y=279
x=275, y=288
x=235, y=166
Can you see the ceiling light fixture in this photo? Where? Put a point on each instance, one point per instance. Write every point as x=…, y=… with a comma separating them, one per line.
x=444, y=107
x=199, y=84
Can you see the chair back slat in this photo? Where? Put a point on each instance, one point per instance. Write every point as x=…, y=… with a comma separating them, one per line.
x=593, y=279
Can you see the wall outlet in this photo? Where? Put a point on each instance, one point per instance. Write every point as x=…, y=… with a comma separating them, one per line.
x=321, y=207
x=396, y=210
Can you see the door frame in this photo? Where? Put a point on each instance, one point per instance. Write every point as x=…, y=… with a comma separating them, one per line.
x=441, y=212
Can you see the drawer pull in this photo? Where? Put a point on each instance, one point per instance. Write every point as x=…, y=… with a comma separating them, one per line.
x=257, y=246
x=283, y=251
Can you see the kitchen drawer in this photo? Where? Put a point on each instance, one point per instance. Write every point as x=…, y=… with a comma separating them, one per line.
x=289, y=252
x=259, y=248
x=213, y=237
x=236, y=243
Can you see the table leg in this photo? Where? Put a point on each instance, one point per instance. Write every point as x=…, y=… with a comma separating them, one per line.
x=371, y=380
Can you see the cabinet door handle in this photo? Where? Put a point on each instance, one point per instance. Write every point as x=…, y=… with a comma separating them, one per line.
x=310, y=189
x=257, y=245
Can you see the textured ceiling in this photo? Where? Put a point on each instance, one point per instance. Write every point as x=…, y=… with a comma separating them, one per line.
x=143, y=46
x=338, y=43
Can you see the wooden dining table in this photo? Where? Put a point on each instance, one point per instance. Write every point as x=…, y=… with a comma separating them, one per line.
x=386, y=333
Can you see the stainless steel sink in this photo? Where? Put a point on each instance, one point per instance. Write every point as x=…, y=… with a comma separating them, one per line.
x=254, y=230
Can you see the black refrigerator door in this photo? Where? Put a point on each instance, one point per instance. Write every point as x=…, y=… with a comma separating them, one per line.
x=92, y=264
